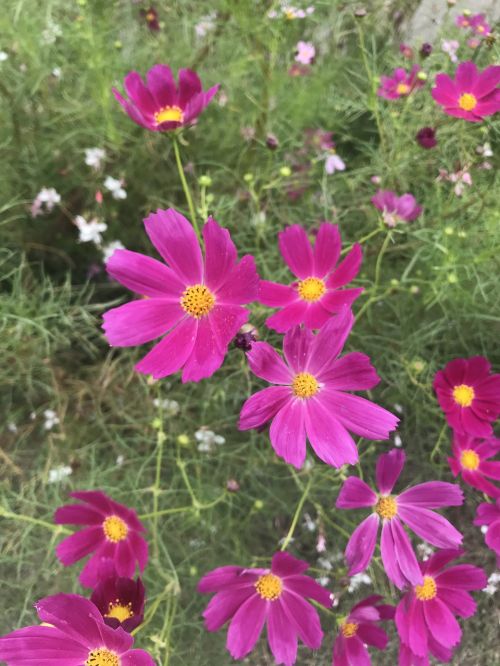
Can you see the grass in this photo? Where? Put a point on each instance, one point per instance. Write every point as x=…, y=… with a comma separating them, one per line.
x=430, y=291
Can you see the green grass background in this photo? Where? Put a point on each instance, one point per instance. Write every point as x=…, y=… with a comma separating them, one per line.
x=436, y=297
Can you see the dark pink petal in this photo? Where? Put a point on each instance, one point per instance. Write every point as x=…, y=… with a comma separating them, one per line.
x=329, y=341
x=329, y=438
x=348, y=268
x=303, y=618
x=440, y=559
x=355, y=494
x=491, y=469
x=193, y=108
x=79, y=545
x=263, y=406
x=77, y=514
x=175, y=239
x=315, y=315
x=463, y=576
x=308, y=588
x=218, y=579
x=335, y=300
x=357, y=652
x=441, y=623
x=91, y=573
x=283, y=565
x=339, y=651
x=288, y=435
x=487, y=106
x=389, y=557
x=454, y=372
x=41, y=646
x=225, y=321
x=296, y=346
x=224, y=605
x=208, y=351
x=492, y=538
x=296, y=251
x=161, y=83
x=461, y=113
x=169, y=355
x=361, y=545
x=472, y=424
x=466, y=76
x=389, y=467
x=133, y=112
x=445, y=91
x=139, y=94
x=267, y=364
x=137, y=658
x=326, y=249
x=430, y=526
x=139, y=548
x=373, y=635
x=459, y=602
x=189, y=85
x=276, y=295
x=487, y=513
x=477, y=367
x=97, y=499
x=220, y=254
x=418, y=633
x=364, y=614
x=432, y=495
x=351, y=372
x=478, y=481
x=144, y=275
x=246, y=626
x=359, y=415
x=401, y=618
x=140, y=321
x=282, y=641
x=124, y=559
x=405, y=554
x=290, y=316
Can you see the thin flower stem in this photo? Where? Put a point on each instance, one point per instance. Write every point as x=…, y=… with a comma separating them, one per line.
x=296, y=516
x=160, y=440
x=184, y=509
x=34, y=521
x=185, y=186
x=373, y=86
x=378, y=264
x=362, y=240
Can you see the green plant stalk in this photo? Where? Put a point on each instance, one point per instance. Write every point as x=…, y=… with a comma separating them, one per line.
x=185, y=186
x=296, y=516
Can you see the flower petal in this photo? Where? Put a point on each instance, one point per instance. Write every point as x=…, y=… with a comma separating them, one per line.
x=288, y=435
x=441, y=623
x=351, y=372
x=282, y=640
x=326, y=249
x=389, y=467
x=144, y=275
x=224, y=605
x=161, y=83
x=463, y=576
x=263, y=406
x=276, y=295
x=241, y=285
x=348, y=268
x=304, y=619
x=329, y=439
x=389, y=557
x=284, y=565
x=140, y=321
x=267, y=364
x=432, y=495
x=171, y=353
x=296, y=346
x=430, y=526
x=78, y=545
x=220, y=254
x=405, y=554
x=355, y=494
x=290, y=316
x=361, y=545
x=296, y=251
x=246, y=626
x=359, y=415
x=329, y=341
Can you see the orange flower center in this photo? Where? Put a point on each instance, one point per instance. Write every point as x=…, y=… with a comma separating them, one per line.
x=305, y=385
x=467, y=101
x=480, y=28
x=387, y=507
x=463, y=395
x=169, y=114
x=269, y=587
x=311, y=289
x=403, y=89
x=349, y=629
x=102, y=657
x=150, y=16
x=427, y=591
x=119, y=610
x=197, y=300
x=469, y=459
x=115, y=529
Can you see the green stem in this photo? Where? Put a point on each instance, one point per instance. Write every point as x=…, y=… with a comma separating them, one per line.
x=34, y=521
x=160, y=439
x=362, y=240
x=296, y=516
x=373, y=104
x=184, y=509
x=378, y=265
x=185, y=186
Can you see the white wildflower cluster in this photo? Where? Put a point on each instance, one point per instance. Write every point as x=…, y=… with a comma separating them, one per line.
x=168, y=407
x=116, y=188
x=290, y=12
x=424, y=551
x=205, y=25
x=51, y=32
x=109, y=249
x=357, y=580
x=58, y=474
x=45, y=201
x=51, y=419
x=208, y=440
x=493, y=583
x=90, y=232
x=94, y=157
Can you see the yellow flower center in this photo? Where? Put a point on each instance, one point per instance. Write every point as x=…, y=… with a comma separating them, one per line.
x=467, y=102
x=102, y=657
x=463, y=395
x=311, y=289
x=197, y=300
x=387, y=507
x=304, y=385
x=349, y=629
x=427, y=591
x=150, y=16
x=269, y=587
x=480, y=28
x=403, y=89
x=469, y=459
x=119, y=611
x=169, y=114
x=115, y=529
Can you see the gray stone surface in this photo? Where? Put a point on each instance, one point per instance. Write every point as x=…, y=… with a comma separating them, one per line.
x=433, y=14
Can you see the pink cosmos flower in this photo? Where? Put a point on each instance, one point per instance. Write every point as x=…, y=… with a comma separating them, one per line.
x=464, y=21
x=425, y=616
x=469, y=395
x=411, y=507
x=276, y=597
x=471, y=459
x=113, y=531
x=197, y=303
x=406, y=51
x=400, y=84
x=480, y=25
x=407, y=658
x=74, y=633
x=334, y=163
x=120, y=601
x=489, y=514
x=310, y=399
x=396, y=209
x=471, y=95
x=305, y=53
x=317, y=293
x=161, y=106
x=359, y=629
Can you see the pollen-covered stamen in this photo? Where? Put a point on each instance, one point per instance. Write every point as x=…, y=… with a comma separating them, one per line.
x=469, y=459
x=403, y=89
x=269, y=586
x=169, y=114
x=115, y=529
x=427, y=591
x=119, y=610
x=305, y=385
x=467, y=101
x=463, y=395
x=197, y=300
x=386, y=507
x=311, y=289
x=102, y=657
x=349, y=629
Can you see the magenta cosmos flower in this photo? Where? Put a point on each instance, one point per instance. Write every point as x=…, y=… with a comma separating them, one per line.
x=161, y=106
x=310, y=399
x=400, y=84
x=359, y=629
x=317, y=293
x=74, y=635
x=396, y=209
x=197, y=303
x=425, y=616
x=488, y=514
x=480, y=25
x=411, y=507
x=113, y=531
x=469, y=395
x=471, y=95
x=276, y=597
x=120, y=601
x=471, y=460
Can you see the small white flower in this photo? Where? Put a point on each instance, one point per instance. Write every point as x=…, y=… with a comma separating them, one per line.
x=398, y=441
x=60, y=473
x=169, y=407
x=398, y=408
x=3, y=56
x=208, y=440
x=57, y=72
x=120, y=460
x=425, y=551
x=484, y=529
x=45, y=201
x=325, y=563
x=90, y=232
x=450, y=47
x=357, y=580
x=51, y=32
x=485, y=150
x=51, y=419
x=94, y=157
x=493, y=583
x=109, y=248
x=205, y=24
x=11, y=427
x=115, y=186
x=309, y=523
x=305, y=52
x=323, y=581
x=334, y=163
